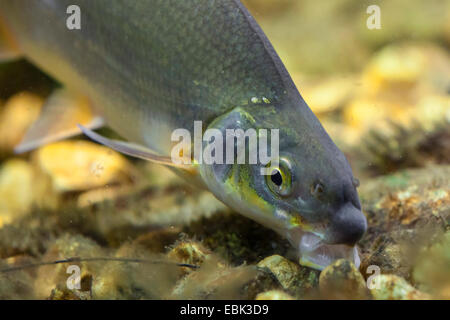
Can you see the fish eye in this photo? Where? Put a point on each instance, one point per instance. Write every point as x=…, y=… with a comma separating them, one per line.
x=280, y=180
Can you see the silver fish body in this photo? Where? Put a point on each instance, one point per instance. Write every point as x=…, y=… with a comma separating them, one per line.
x=152, y=66
x=148, y=63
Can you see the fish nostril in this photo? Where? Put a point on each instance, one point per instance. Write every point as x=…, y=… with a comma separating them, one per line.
x=317, y=189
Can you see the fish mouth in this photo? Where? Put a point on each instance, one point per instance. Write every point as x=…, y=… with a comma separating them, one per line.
x=315, y=253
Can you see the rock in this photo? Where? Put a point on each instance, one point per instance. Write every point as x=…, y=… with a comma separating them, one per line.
x=263, y=281
x=406, y=211
x=274, y=295
x=431, y=272
x=134, y=280
x=342, y=280
x=284, y=270
x=16, y=190
x=29, y=235
x=215, y=281
x=81, y=165
x=390, y=257
x=16, y=116
x=392, y=287
x=190, y=252
x=61, y=292
x=52, y=277
x=294, y=278
x=15, y=285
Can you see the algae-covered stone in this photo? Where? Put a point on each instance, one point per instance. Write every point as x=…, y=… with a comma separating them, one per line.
x=284, y=270
x=405, y=211
x=50, y=277
x=274, y=295
x=189, y=252
x=342, y=280
x=392, y=287
x=264, y=281
x=294, y=278
x=153, y=279
x=215, y=281
x=15, y=285
x=61, y=292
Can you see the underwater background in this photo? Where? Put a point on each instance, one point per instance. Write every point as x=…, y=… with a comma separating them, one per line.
x=383, y=95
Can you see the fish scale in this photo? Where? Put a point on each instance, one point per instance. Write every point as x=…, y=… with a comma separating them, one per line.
x=180, y=42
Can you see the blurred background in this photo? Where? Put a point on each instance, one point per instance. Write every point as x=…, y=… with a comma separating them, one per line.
x=383, y=95
x=356, y=79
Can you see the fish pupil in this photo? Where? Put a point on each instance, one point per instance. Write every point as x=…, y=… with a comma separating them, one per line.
x=276, y=178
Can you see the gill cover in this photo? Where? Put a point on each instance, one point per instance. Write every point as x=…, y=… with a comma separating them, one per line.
x=233, y=183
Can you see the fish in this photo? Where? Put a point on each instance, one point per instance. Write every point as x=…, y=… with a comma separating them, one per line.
x=146, y=68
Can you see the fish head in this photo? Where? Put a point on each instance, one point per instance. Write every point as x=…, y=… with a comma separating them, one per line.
x=319, y=197
x=308, y=196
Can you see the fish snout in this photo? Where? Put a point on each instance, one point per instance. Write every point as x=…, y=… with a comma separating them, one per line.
x=348, y=225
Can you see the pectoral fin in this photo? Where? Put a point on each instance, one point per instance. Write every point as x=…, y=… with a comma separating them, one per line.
x=9, y=50
x=58, y=120
x=132, y=149
x=8, y=55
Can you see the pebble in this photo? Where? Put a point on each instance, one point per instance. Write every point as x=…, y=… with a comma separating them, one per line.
x=342, y=280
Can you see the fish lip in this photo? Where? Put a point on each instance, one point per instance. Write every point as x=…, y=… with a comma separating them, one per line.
x=348, y=225
x=315, y=252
